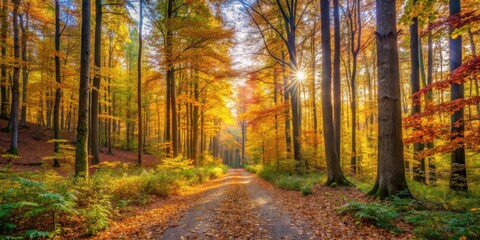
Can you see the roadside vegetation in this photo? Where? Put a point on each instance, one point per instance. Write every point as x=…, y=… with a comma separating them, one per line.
x=46, y=204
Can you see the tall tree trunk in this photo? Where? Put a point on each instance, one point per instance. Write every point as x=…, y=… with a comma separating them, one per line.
x=94, y=128
x=355, y=24
x=15, y=80
x=428, y=101
x=139, y=86
x=3, y=42
x=336, y=79
x=58, y=80
x=418, y=168
x=25, y=34
x=81, y=144
x=286, y=98
x=458, y=175
x=334, y=171
x=171, y=80
x=110, y=100
x=391, y=166
x=275, y=101
x=195, y=120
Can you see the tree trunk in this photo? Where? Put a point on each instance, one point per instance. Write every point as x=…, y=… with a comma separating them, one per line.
x=25, y=32
x=58, y=80
x=81, y=145
x=15, y=80
x=171, y=81
x=195, y=121
x=110, y=101
x=286, y=98
x=391, y=166
x=139, y=86
x=418, y=168
x=458, y=175
x=334, y=171
x=336, y=79
x=428, y=101
x=3, y=82
x=94, y=128
x=275, y=101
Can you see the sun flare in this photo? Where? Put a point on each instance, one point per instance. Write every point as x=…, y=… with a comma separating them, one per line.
x=301, y=76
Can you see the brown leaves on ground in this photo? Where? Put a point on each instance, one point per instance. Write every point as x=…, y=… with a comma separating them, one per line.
x=150, y=221
x=317, y=213
x=236, y=218
x=33, y=145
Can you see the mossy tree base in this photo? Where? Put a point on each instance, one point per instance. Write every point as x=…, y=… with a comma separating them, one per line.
x=384, y=191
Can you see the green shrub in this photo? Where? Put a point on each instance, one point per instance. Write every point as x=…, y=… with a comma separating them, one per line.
x=96, y=216
x=444, y=224
x=217, y=171
x=160, y=184
x=284, y=180
x=112, y=185
x=25, y=199
x=306, y=189
x=379, y=214
x=254, y=168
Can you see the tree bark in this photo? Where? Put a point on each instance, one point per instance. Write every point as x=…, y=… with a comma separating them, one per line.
x=418, y=168
x=334, y=172
x=15, y=80
x=94, y=128
x=139, y=86
x=25, y=71
x=428, y=101
x=3, y=42
x=391, y=166
x=195, y=121
x=458, y=175
x=81, y=144
x=336, y=78
x=286, y=98
x=58, y=80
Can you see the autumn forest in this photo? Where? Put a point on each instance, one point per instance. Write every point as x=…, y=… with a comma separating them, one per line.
x=239, y=119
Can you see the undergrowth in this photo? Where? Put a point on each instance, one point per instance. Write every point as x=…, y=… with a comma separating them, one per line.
x=41, y=205
x=286, y=180
x=427, y=223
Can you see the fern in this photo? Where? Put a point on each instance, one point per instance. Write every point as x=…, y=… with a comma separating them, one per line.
x=376, y=213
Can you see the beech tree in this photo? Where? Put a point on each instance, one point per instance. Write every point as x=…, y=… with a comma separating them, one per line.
x=391, y=171
x=15, y=80
x=3, y=39
x=139, y=84
x=334, y=171
x=58, y=80
x=458, y=175
x=81, y=144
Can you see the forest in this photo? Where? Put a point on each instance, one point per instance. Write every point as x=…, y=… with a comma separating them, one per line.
x=239, y=119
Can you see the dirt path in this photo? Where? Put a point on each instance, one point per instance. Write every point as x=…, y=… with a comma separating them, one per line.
x=241, y=205
x=239, y=209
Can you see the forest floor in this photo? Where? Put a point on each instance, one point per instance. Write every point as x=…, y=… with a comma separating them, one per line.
x=34, y=145
x=240, y=205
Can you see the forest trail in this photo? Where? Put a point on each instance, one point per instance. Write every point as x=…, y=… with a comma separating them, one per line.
x=239, y=209
x=241, y=205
